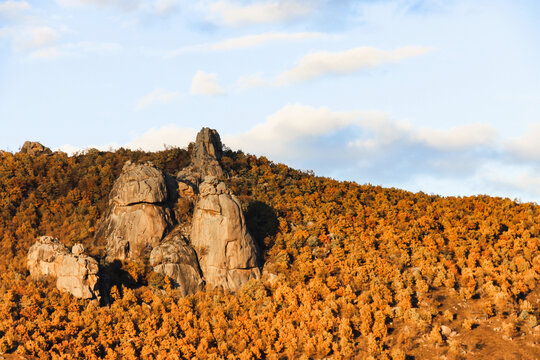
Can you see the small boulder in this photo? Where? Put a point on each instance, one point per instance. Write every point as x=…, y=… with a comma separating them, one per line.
x=445, y=330
x=45, y=256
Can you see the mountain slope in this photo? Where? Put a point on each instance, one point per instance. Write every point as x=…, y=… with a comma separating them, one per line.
x=351, y=270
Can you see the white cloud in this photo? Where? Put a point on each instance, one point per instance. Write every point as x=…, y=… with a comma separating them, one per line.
x=92, y=47
x=246, y=41
x=159, y=7
x=527, y=147
x=48, y=53
x=155, y=139
x=371, y=147
x=252, y=81
x=165, y=7
x=280, y=131
x=458, y=137
x=324, y=63
x=121, y=3
x=205, y=84
x=513, y=178
x=74, y=49
x=268, y=12
x=345, y=62
x=13, y=9
x=35, y=37
x=158, y=96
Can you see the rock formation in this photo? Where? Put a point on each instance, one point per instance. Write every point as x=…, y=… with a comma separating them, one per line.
x=205, y=157
x=213, y=245
x=226, y=251
x=138, y=215
x=75, y=272
x=34, y=149
x=177, y=260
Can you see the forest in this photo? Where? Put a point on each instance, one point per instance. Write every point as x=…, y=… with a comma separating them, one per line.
x=361, y=271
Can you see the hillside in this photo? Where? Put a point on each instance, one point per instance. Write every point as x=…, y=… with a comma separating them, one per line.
x=352, y=271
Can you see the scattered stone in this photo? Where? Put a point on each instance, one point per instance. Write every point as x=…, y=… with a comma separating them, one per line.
x=445, y=330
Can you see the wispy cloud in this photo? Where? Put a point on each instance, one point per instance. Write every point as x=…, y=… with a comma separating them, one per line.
x=124, y=4
x=244, y=42
x=205, y=84
x=156, y=97
x=166, y=7
x=74, y=49
x=34, y=37
x=13, y=9
x=268, y=12
x=157, y=7
x=324, y=63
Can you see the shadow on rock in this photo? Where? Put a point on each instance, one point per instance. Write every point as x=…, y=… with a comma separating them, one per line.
x=262, y=223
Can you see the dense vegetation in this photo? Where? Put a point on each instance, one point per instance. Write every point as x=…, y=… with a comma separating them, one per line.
x=361, y=270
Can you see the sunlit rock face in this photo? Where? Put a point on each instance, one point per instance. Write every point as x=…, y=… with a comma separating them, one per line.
x=205, y=157
x=177, y=260
x=227, y=254
x=207, y=245
x=75, y=272
x=138, y=216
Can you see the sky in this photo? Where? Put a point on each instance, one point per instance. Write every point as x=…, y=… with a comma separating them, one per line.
x=425, y=95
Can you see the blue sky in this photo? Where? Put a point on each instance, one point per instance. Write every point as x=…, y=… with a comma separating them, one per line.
x=438, y=96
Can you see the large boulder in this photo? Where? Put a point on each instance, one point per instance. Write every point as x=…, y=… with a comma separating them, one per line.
x=139, y=184
x=45, y=256
x=138, y=216
x=177, y=260
x=227, y=254
x=34, y=149
x=75, y=272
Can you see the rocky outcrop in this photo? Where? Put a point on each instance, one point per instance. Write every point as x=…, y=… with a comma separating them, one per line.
x=138, y=216
x=205, y=157
x=75, y=272
x=213, y=246
x=34, y=149
x=227, y=254
x=177, y=260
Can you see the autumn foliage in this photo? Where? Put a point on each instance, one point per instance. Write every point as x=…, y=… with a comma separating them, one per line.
x=351, y=271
